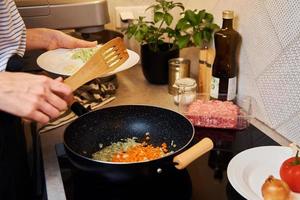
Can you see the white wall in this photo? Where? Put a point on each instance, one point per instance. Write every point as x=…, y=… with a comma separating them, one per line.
x=200, y=4
x=269, y=57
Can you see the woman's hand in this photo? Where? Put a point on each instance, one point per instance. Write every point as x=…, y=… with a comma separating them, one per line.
x=49, y=39
x=33, y=97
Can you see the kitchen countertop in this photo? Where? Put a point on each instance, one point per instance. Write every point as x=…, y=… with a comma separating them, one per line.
x=133, y=89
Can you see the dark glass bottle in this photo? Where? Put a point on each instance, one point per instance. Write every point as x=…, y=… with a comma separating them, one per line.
x=225, y=66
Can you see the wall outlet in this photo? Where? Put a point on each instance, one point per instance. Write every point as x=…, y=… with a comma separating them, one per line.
x=125, y=13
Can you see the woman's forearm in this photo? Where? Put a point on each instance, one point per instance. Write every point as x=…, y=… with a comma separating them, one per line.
x=38, y=38
x=43, y=38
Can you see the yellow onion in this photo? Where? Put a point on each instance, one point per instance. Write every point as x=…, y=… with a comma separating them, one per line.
x=275, y=189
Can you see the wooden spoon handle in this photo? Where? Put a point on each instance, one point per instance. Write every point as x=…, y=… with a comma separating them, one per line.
x=185, y=158
x=77, y=80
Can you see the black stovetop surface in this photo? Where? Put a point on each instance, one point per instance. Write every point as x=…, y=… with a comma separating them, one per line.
x=204, y=179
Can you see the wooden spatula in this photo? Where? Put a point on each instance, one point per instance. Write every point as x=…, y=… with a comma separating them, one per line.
x=110, y=56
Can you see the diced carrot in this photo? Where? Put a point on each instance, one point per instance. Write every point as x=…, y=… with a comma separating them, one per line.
x=140, y=153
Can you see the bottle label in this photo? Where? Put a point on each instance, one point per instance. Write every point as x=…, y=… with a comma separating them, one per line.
x=231, y=92
x=214, y=89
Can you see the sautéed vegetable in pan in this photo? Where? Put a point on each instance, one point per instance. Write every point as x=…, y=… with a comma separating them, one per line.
x=95, y=130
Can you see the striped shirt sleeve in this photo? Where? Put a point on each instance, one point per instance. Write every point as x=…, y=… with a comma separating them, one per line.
x=12, y=32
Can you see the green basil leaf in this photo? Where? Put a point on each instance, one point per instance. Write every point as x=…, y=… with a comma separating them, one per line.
x=213, y=27
x=191, y=17
x=197, y=37
x=158, y=16
x=168, y=19
x=183, y=24
x=139, y=36
x=170, y=32
x=180, y=5
x=171, y=6
x=209, y=17
x=183, y=41
x=201, y=15
x=144, y=28
x=128, y=34
x=206, y=35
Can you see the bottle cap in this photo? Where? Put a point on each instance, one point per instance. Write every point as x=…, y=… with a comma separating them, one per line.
x=228, y=14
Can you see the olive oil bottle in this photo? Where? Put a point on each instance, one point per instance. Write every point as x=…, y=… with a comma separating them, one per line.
x=225, y=66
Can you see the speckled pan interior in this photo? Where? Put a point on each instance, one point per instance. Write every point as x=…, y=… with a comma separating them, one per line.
x=112, y=124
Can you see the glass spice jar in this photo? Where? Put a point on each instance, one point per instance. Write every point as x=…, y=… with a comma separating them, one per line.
x=186, y=89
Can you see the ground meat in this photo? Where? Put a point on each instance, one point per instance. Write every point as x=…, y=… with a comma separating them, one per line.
x=213, y=113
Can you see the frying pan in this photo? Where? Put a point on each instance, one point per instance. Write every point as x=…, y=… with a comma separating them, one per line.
x=84, y=135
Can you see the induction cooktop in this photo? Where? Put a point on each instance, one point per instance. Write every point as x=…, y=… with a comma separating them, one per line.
x=204, y=179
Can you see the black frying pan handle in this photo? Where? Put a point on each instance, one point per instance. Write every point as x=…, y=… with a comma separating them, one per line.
x=79, y=109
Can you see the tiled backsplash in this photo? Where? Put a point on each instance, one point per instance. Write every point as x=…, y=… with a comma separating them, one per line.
x=269, y=57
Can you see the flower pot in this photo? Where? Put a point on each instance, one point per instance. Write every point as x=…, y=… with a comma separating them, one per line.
x=155, y=64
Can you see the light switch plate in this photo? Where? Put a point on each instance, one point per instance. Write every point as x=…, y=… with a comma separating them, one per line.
x=134, y=11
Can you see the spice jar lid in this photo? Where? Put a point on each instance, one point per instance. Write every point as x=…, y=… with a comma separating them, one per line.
x=185, y=83
x=178, y=61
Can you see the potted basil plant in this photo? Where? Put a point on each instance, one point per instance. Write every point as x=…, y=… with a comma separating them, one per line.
x=161, y=42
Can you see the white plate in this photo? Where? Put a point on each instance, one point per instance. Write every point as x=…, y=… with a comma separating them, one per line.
x=59, y=61
x=248, y=170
